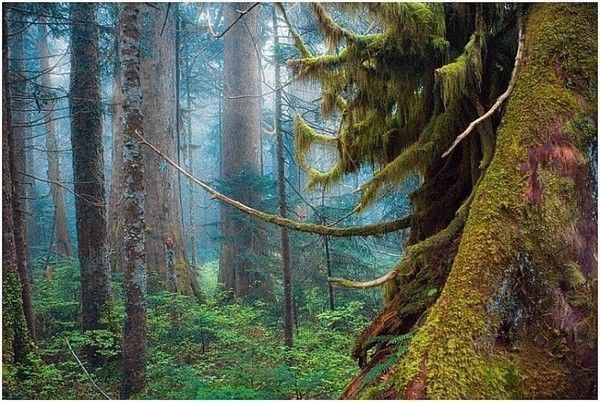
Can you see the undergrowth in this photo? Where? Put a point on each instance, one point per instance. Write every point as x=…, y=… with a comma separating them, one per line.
x=195, y=351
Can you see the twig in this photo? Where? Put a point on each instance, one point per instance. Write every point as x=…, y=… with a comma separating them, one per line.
x=166, y=18
x=498, y=102
x=242, y=13
x=366, y=230
x=86, y=372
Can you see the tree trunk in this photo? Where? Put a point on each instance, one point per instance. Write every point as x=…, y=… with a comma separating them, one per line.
x=15, y=336
x=163, y=224
x=240, y=150
x=288, y=316
x=19, y=179
x=115, y=205
x=62, y=241
x=134, y=197
x=190, y=166
x=516, y=317
x=88, y=173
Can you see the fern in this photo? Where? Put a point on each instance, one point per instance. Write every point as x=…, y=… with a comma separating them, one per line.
x=401, y=342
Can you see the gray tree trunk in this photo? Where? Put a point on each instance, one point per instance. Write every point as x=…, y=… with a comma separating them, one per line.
x=240, y=150
x=134, y=199
x=288, y=316
x=158, y=82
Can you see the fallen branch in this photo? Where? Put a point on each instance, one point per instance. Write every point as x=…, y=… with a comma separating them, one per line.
x=86, y=372
x=366, y=230
x=498, y=102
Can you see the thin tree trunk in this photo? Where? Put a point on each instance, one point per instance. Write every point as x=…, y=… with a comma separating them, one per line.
x=115, y=205
x=288, y=316
x=134, y=264
x=88, y=173
x=190, y=167
x=61, y=234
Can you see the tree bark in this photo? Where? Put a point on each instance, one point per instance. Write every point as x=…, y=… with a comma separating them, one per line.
x=88, y=173
x=516, y=317
x=15, y=335
x=134, y=198
x=288, y=315
x=20, y=181
x=115, y=205
x=158, y=82
x=62, y=241
x=240, y=150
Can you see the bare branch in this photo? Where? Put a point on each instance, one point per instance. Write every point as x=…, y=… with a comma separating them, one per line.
x=86, y=372
x=498, y=102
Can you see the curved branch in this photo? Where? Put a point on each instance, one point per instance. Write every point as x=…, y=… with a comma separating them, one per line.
x=498, y=102
x=363, y=285
x=408, y=263
x=366, y=230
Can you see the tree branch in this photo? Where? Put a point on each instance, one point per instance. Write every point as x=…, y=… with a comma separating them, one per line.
x=498, y=102
x=366, y=230
x=86, y=372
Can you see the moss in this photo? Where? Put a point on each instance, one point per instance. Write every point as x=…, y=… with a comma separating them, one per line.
x=463, y=74
x=456, y=342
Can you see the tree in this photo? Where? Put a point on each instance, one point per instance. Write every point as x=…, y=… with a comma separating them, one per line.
x=61, y=234
x=240, y=149
x=494, y=298
x=165, y=245
x=115, y=205
x=15, y=334
x=134, y=261
x=288, y=316
x=88, y=173
x=19, y=176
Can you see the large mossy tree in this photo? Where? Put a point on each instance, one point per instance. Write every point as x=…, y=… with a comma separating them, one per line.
x=495, y=296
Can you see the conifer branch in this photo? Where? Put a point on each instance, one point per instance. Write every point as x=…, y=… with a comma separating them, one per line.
x=366, y=230
x=498, y=102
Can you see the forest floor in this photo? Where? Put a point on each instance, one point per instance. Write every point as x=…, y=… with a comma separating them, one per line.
x=211, y=350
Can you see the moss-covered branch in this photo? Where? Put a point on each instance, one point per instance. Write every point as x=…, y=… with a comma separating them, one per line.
x=333, y=32
x=415, y=254
x=366, y=230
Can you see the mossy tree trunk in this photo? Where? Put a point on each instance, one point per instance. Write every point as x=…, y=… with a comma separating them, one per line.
x=516, y=315
x=88, y=173
x=15, y=336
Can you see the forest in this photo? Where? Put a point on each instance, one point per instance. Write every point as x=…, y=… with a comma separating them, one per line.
x=299, y=200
